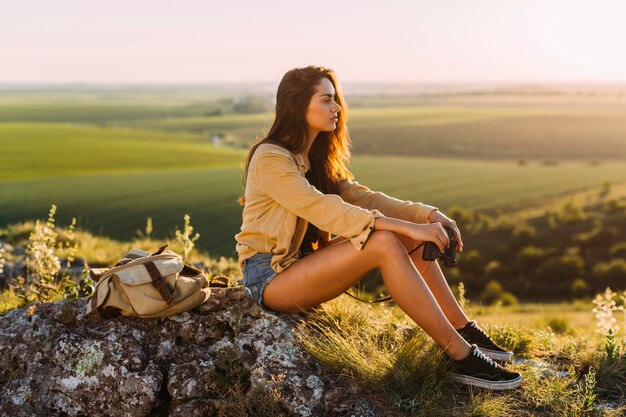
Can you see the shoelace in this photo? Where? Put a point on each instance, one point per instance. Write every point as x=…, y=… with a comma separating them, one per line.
x=474, y=325
x=478, y=354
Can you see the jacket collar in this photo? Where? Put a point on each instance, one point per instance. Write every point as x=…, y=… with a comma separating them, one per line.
x=300, y=161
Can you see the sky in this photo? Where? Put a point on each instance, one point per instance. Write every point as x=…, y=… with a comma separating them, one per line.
x=205, y=41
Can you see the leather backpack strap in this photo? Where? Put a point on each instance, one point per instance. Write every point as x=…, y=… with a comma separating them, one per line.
x=160, y=250
x=219, y=281
x=164, y=288
x=94, y=304
x=96, y=273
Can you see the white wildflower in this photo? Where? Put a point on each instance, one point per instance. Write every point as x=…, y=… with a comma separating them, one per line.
x=604, y=312
x=2, y=260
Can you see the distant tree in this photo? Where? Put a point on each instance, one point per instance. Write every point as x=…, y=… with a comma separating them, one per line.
x=463, y=216
x=618, y=250
x=471, y=263
x=524, y=233
x=579, y=288
x=494, y=269
x=492, y=293
x=552, y=219
x=612, y=205
x=530, y=257
x=605, y=190
x=610, y=274
x=550, y=162
x=508, y=299
x=556, y=274
x=599, y=237
x=571, y=212
x=484, y=223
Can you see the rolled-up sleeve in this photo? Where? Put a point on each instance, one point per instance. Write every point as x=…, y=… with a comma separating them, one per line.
x=277, y=175
x=359, y=195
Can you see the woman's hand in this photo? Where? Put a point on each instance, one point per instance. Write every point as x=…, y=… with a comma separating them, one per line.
x=438, y=217
x=433, y=232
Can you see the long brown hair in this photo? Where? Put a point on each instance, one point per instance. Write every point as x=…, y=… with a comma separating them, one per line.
x=330, y=150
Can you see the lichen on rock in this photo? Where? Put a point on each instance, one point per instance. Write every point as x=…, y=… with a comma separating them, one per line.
x=227, y=357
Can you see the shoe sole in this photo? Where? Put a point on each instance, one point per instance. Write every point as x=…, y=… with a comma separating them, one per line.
x=483, y=383
x=497, y=356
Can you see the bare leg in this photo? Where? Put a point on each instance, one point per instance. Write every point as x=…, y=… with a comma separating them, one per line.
x=328, y=272
x=434, y=278
x=436, y=281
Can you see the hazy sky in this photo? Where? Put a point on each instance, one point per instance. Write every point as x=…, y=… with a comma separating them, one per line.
x=154, y=41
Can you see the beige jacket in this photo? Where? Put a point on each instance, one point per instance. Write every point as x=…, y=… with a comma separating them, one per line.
x=280, y=203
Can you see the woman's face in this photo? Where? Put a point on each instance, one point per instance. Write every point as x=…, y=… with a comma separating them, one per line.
x=322, y=113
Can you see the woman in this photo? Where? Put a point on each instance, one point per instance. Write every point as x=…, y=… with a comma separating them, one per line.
x=298, y=191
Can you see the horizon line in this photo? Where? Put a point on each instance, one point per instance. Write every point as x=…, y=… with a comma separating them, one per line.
x=389, y=82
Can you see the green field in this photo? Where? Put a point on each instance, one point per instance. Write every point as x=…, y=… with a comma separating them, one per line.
x=440, y=131
x=38, y=150
x=109, y=201
x=113, y=157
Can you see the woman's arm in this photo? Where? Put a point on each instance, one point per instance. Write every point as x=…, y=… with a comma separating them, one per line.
x=276, y=175
x=431, y=232
x=360, y=195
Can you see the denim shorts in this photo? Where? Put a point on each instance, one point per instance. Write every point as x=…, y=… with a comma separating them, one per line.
x=257, y=273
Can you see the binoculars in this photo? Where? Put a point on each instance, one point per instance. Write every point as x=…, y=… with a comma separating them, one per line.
x=431, y=251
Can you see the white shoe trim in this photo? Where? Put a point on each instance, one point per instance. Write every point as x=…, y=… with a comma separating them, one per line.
x=495, y=355
x=483, y=383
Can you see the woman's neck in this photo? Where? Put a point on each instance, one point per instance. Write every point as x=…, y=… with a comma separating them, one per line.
x=312, y=135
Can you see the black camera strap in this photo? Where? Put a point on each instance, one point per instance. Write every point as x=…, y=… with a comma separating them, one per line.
x=380, y=300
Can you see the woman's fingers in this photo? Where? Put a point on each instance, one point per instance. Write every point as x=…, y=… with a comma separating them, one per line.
x=457, y=234
x=442, y=238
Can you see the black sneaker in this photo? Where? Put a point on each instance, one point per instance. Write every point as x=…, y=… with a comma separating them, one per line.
x=480, y=371
x=475, y=335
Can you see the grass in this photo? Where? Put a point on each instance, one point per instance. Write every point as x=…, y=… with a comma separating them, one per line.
x=408, y=376
x=139, y=174
x=400, y=369
x=40, y=150
x=100, y=250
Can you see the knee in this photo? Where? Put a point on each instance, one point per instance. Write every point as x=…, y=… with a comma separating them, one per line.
x=384, y=241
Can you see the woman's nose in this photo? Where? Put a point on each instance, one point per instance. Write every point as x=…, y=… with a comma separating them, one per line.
x=337, y=108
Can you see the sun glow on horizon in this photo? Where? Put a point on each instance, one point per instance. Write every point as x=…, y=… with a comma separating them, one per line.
x=366, y=40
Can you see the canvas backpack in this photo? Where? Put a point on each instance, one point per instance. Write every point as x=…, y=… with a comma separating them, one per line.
x=149, y=285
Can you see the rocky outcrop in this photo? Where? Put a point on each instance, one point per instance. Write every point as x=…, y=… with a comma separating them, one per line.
x=226, y=358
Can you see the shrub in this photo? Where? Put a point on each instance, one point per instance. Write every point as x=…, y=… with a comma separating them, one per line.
x=45, y=280
x=462, y=216
x=550, y=162
x=524, y=233
x=484, y=223
x=610, y=274
x=613, y=205
x=599, y=236
x=508, y=299
x=470, y=262
x=185, y=238
x=494, y=269
x=579, y=287
x=618, y=250
x=492, y=293
x=557, y=274
x=531, y=256
x=518, y=341
x=571, y=212
x=558, y=325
